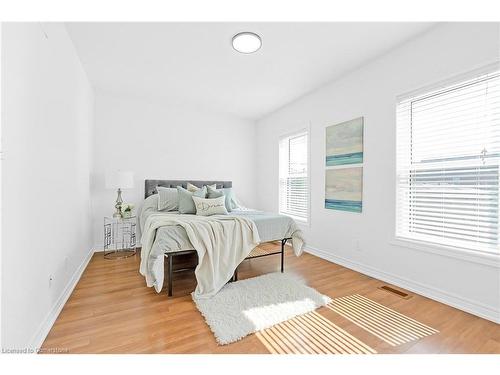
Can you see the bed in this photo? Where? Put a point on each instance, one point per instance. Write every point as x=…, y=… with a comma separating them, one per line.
x=172, y=240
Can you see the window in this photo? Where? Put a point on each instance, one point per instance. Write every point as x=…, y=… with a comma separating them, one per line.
x=293, y=172
x=448, y=156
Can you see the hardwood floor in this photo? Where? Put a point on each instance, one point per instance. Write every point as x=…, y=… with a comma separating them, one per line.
x=112, y=311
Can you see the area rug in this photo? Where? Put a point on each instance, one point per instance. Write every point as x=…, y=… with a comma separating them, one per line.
x=251, y=305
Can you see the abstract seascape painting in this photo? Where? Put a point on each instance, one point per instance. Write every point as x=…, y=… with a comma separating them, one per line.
x=344, y=143
x=344, y=189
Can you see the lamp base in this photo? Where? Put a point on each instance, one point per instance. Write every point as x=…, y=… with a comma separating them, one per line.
x=118, y=205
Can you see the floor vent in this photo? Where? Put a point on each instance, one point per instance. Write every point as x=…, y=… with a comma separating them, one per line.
x=395, y=291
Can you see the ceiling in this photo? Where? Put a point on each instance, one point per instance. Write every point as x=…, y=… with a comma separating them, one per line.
x=194, y=64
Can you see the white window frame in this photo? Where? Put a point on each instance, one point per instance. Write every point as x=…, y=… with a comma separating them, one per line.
x=307, y=221
x=455, y=252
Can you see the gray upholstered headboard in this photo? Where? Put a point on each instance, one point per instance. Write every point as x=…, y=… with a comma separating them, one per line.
x=150, y=185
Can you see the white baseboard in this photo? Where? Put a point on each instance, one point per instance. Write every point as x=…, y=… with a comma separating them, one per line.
x=467, y=305
x=44, y=328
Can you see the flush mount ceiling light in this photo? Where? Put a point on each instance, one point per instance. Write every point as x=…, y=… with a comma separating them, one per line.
x=247, y=42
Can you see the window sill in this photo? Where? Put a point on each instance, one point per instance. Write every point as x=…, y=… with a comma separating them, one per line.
x=449, y=251
x=303, y=223
x=298, y=220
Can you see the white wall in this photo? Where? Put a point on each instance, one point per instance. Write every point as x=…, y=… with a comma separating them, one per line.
x=156, y=140
x=46, y=122
x=1, y=175
x=371, y=91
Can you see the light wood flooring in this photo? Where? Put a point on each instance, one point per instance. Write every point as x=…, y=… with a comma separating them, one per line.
x=112, y=311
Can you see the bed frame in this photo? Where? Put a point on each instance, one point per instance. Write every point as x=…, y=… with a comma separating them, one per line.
x=150, y=189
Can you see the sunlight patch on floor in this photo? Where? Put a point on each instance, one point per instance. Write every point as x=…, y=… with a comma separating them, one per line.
x=386, y=324
x=311, y=333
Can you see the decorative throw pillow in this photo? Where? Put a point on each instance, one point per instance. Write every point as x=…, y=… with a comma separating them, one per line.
x=207, y=207
x=213, y=193
x=186, y=203
x=192, y=188
x=168, y=198
x=227, y=192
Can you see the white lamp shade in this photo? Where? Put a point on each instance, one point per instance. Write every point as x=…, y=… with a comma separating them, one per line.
x=120, y=179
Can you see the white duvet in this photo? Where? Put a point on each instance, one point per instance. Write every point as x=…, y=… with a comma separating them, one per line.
x=222, y=243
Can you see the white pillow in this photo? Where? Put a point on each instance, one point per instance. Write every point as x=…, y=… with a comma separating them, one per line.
x=192, y=188
x=168, y=199
x=207, y=206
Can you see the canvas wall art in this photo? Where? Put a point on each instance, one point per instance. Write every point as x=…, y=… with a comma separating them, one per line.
x=344, y=189
x=344, y=166
x=344, y=143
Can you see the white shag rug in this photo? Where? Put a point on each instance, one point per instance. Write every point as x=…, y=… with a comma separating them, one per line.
x=251, y=305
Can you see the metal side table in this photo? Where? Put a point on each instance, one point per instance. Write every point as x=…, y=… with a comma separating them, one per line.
x=119, y=237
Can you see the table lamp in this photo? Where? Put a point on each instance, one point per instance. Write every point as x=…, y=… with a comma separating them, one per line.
x=119, y=180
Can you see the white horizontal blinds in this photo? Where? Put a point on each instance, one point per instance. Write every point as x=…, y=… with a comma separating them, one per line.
x=448, y=165
x=294, y=189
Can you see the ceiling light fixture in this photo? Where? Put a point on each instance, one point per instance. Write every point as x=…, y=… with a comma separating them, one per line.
x=247, y=42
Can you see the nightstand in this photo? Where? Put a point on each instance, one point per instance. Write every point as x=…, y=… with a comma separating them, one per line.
x=119, y=237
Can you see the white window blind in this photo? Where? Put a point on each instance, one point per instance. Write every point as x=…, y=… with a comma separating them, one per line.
x=293, y=179
x=448, y=148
